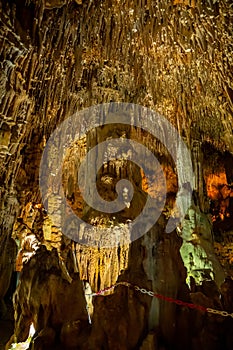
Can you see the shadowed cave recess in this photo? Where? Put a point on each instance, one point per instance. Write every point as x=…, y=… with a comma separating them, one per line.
x=173, y=57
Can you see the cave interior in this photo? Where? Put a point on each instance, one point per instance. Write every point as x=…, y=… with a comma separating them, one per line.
x=98, y=284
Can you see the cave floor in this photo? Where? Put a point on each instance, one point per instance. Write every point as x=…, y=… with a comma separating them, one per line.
x=6, y=330
x=6, y=325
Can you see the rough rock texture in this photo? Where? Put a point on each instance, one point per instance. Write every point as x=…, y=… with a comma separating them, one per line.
x=175, y=57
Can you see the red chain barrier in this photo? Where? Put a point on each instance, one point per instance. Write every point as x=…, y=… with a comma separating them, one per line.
x=169, y=299
x=180, y=302
x=156, y=295
x=102, y=291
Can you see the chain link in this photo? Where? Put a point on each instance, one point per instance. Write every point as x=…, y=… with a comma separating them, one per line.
x=151, y=293
x=169, y=299
x=102, y=291
x=144, y=291
x=219, y=312
x=127, y=284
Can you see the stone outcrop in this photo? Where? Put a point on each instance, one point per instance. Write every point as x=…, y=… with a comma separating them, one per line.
x=43, y=299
